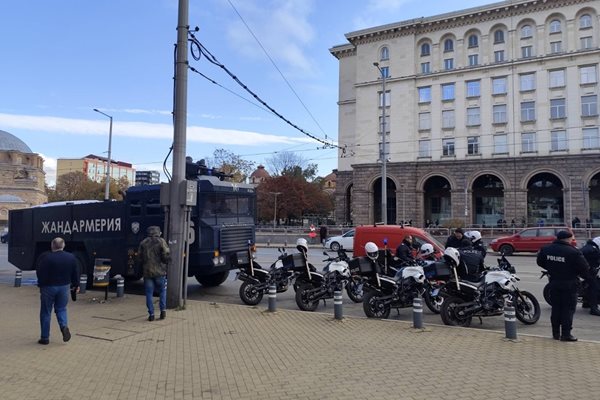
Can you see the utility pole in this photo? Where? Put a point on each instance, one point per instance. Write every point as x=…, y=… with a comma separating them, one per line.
x=275, y=208
x=383, y=150
x=177, y=211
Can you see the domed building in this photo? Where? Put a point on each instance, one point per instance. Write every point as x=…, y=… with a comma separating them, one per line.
x=259, y=175
x=21, y=176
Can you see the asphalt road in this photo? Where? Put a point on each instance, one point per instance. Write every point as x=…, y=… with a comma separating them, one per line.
x=585, y=325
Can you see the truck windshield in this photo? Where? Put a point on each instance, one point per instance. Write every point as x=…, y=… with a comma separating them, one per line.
x=226, y=205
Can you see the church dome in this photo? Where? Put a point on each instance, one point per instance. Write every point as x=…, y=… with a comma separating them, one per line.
x=10, y=142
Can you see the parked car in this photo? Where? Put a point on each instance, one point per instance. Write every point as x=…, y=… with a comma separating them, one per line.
x=529, y=239
x=345, y=241
x=4, y=237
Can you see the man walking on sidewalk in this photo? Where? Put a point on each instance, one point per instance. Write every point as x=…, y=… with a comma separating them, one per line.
x=56, y=271
x=154, y=256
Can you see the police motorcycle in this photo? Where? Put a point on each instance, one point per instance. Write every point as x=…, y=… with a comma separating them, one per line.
x=256, y=280
x=582, y=286
x=497, y=287
x=313, y=286
x=385, y=292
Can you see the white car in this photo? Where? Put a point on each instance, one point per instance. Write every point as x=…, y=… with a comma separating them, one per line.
x=346, y=241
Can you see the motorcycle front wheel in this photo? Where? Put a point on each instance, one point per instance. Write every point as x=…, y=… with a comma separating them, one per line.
x=373, y=307
x=302, y=298
x=434, y=303
x=450, y=312
x=355, y=291
x=527, y=308
x=249, y=294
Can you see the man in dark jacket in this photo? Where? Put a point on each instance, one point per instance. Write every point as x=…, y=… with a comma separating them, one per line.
x=56, y=271
x=563, y=263
x=591, y=252
x=154, y=256
x=457, y=239
x=404, y=251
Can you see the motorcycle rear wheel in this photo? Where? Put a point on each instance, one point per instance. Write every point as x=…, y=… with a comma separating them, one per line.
x=373, y=308
x=547, y=294
x=355, y=290
x=302, y=299
x=249, y=294
x=527, y=308
x=449, y=315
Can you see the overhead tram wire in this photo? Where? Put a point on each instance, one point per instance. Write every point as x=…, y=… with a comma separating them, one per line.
x=276, y=67
x=196, y=45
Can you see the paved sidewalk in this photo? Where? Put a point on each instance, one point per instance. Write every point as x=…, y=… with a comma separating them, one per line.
x=218, y=351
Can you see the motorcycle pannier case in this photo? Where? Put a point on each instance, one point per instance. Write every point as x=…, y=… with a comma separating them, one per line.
x=437, y=270
x=361, y=266
x=294, y=262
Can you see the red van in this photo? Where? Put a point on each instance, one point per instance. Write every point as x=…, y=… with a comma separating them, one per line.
x=394, y=235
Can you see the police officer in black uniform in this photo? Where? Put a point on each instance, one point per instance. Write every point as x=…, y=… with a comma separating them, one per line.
x=471, y=263
x=591, y=252
x=457, y=239
x=404, y=251
x=563, y=263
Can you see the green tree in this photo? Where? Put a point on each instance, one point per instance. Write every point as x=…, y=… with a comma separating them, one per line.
x=232, y=164
x=77, y=186
x=293, y=164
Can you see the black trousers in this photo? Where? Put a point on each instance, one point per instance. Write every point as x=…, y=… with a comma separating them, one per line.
x=592, y=293
x=563, y=295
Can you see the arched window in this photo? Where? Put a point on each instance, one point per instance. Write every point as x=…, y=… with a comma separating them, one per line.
x=499, y=36
x=425, y=49
x=555, y=26
x=385, y=53
x=526, y=31
x=473, y=41
x=448, y=45
x=585, y=21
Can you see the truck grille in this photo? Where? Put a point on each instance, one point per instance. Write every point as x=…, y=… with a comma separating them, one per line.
x=236, y=238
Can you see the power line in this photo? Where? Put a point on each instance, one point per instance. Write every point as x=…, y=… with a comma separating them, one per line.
x=201, y=49
x=277, y=68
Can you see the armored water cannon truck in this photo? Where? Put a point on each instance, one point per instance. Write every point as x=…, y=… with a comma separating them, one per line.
x=222, y=222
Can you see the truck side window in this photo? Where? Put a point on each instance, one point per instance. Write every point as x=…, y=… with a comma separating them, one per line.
x=135, y=208
x=153, y=207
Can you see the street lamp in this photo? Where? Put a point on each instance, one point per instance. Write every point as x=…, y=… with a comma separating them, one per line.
x=107, y=187
x=383, y=151
x=275, y=208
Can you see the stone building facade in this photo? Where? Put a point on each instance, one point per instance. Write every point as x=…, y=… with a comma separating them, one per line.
x=490, y=115
x=21, y=176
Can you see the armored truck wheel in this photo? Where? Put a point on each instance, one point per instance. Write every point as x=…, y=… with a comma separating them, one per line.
x=212, y=280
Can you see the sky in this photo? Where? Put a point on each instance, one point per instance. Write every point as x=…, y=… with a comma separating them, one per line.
x=60, y=59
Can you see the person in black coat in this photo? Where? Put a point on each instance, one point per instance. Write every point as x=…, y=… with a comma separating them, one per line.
x=57, y=271
x=563, y=263
x=457, y=239
x=404, y=251
x=591, y=252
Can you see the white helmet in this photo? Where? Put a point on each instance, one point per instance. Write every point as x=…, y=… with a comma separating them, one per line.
x=302, y=245
x=473, y=236
x=372, y=250
x=427, y=249
x=452, y=255
x=596, y=240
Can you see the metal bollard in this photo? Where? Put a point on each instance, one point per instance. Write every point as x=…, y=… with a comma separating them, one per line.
x=18, y=278
x=510, y=322
x=417, y=313
x=120, y=286
x=268, y=242
x=338, y=305
x=272, y=298
x=82, y=283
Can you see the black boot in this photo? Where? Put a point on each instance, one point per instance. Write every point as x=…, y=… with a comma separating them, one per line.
x=556, y=333
x=595, y=311
x=568, y=338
